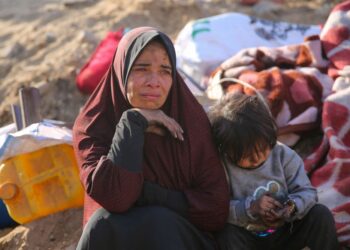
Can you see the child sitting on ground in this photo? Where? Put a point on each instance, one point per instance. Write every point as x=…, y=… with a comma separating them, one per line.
x=273, y=204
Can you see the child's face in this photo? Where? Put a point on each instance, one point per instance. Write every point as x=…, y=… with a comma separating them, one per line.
x=254, y=161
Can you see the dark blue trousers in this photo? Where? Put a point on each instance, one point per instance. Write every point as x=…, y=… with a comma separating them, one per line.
x=142, y=228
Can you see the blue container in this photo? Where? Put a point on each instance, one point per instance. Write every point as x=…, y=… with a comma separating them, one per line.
x=5, y=219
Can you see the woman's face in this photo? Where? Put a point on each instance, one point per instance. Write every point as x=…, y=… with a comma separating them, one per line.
x=150, y=78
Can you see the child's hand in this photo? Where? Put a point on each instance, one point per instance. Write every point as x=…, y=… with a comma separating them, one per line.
x=289, y=209
x=266, y=207
x=274, y=218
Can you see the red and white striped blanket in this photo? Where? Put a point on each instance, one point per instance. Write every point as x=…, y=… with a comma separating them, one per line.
x=306, y=91
x=329, y=165
x=335, y=37
x=291, y=78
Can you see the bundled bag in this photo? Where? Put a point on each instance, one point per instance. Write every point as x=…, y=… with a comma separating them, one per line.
x=205, y=43
x=95, y=68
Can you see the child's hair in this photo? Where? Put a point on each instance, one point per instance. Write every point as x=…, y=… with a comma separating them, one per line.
x=242, y=126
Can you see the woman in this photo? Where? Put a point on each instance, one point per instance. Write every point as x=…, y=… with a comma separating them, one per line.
x=146, y=155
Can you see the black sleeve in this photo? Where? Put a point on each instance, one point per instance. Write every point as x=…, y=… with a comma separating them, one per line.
x=127, y=144
x=153, y=194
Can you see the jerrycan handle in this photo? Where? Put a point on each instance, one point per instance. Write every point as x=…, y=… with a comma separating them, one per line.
x=8, y=191
x=29, y=98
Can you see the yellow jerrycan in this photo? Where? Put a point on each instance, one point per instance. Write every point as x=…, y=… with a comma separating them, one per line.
x=40, y=183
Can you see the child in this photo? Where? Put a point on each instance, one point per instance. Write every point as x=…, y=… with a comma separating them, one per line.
x=273, y=204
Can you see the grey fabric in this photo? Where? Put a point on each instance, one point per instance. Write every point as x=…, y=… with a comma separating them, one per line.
x=283, y=166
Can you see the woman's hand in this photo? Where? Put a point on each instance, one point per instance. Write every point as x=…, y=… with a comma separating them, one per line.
x=156, y=118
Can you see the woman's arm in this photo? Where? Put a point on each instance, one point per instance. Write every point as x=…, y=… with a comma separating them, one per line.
x=154, y=194
x=205, y=204
x=209, y=196
x=115, y=181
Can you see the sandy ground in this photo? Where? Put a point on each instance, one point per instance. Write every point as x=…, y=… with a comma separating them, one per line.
x=45, y=42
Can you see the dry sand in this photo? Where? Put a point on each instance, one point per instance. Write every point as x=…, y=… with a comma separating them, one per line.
x=45, y=42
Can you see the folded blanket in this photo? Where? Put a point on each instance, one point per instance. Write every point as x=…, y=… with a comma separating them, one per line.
x=329, y=165
x=204, y=43
x=291, y=79
x=335, y=38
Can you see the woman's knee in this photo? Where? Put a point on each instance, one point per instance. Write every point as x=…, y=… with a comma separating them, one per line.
x=97, y=218
x=160, y=217
x=152, y=216
x=97, y=232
